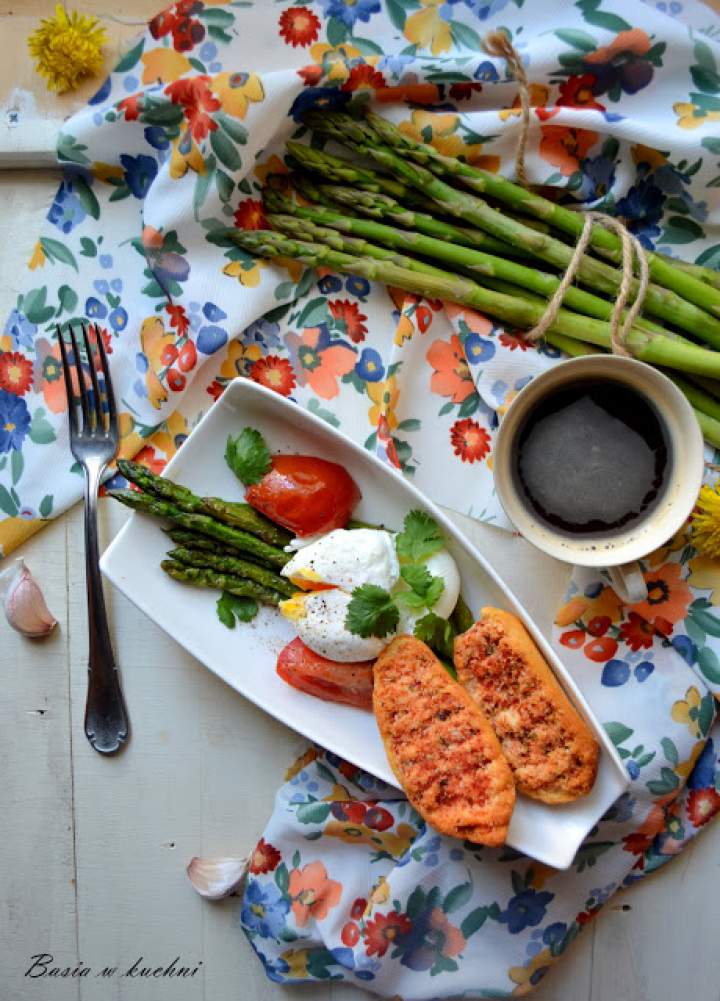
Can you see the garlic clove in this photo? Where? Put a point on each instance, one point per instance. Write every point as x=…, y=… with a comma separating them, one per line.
x=215, y=878
x=24, y=604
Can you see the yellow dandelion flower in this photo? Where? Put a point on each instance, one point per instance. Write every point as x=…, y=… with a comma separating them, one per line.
x=66, y=48
x=706, y=522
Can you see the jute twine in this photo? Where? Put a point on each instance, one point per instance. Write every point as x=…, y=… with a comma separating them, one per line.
x=497, y=43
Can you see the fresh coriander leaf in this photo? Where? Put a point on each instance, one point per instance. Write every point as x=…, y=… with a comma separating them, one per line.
x=426, y=587
x=411, y=600
x=248, y=456
x=231, y=607
x=462, y=617
x=437, y=633
x=419, y=538
x=371, y=612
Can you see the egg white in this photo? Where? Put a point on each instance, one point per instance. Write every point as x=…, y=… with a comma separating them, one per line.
x=440, y=564
x=347, y=559
x=319, y=617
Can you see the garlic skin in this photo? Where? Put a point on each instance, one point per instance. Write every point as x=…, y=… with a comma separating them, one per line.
x=24, y=604
x=215, y=878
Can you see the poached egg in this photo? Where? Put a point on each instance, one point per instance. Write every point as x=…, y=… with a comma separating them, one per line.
x=346, y=559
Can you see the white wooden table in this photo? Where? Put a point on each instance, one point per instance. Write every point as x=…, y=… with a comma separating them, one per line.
x=93, y=850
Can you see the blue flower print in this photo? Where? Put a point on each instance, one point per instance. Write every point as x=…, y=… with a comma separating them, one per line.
x=598, y=177
x=100, y=95
x=703, y=774
x=118, y=318
x=156, y=137
x=370, y=367
x=483, y=9
x=66, y=212
x=320, y=98
x=615, y=673
x=105, y=261
x=208, y=51
x=394, y=64
x=357, y=286
x=478, y=349
x=329, y=283
x=101, y=287
x=95, y=309
x=274, y=968
x=21, y=330
x=140, y=172
x=350, y=11
x=14, y=422
x=210, y=339
x=486, y=72
x=264, y=909
x=643, y=671
x=264, y=332
x=213, y=313
x=525, y=910
x=642, y=207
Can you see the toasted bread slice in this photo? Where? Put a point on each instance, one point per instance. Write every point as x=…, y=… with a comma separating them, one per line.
x=549, y=746
x=440, y=746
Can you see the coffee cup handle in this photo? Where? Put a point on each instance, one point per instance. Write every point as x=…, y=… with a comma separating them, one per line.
x=628, y=583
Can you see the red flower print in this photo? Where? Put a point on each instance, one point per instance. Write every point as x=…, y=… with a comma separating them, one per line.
x=423, y=318
x=586, y=916
x=251, y=215
x=637, y=632
x=451, y=376
x=575, y=638
x=186, y=30
x=298, y=26
x=349, y=313
x=311, y=75
x=358, y=908
x=379, y=818
x=197, y=100
x=215, y=389
x=176, y=380
x=513, y=341
x=383, y=930
x=668, y=596
x=464, y=91
x=312, y=893
x=702, y=805
x=469, y=440
x=178, y=318
x=565, y=147
x=385, y=437
x=601, y=649
x=16, y=373
x=275, y=373
x=132, y=106
x=662, y=625
x=187, y=357
x=106, y=339
x=364, y=77
x=598, y=625
x=577, y=92
x=169, y=354
x=264, y=858
x=350, y=934
x=147, y=457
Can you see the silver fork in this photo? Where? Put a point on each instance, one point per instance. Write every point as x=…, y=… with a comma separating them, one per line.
x=94, y=442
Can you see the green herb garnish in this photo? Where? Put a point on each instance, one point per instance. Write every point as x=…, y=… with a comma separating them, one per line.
x=424, y=588
x=420, y=537
x=439, y=635
x=231, y=607
x=371, y=612
x=248, y=456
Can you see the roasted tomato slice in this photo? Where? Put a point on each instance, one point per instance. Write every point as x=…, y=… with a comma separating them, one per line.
x=349, y=684
x=305, y=494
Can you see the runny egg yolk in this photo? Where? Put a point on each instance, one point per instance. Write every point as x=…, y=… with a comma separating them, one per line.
x=294, y=608
x=310, y=580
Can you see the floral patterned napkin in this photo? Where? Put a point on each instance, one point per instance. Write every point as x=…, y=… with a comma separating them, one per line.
x=175, y=146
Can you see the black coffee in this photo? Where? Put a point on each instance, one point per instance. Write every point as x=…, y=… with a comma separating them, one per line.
x=592, y=457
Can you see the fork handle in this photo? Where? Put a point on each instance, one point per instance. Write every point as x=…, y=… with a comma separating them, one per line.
x=106, y=718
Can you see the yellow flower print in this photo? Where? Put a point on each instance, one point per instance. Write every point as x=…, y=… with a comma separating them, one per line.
x=404, y=330
x=687, y=711
x=153, y=341
x=379, y=895
x=105, y=171
x=38, y=257
x=273, y=165
x=685, y=767
x=385, y=396
x=334, y=59
x=166, y=437
x=428, y=29
x=443, y=132
x=705, y=574
x=691, y=117
x=674, y=545
x=538, y=94
x=235, y=91
x=395, y=843
x=297, y=961
x=646, y=154
x=239, y=359
x=606, y=603
x=305, y=759
x=522, y=975
x=165, y=65
x=185, y=154
x=247, y=276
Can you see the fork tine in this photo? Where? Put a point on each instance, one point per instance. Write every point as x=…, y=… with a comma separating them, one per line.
x=84, y=402
x=99, y=420
x=112, y=412
x=72, y=414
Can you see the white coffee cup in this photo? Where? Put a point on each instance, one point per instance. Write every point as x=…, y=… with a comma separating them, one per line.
x=617, y=551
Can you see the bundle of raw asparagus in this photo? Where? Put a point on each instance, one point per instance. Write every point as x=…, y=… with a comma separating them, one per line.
x=219, y=544
x=410, y=217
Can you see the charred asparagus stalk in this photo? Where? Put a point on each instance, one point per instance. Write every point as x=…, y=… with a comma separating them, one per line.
x=234, y=566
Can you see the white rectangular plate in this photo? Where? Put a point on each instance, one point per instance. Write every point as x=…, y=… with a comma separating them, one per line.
x=245, y=658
